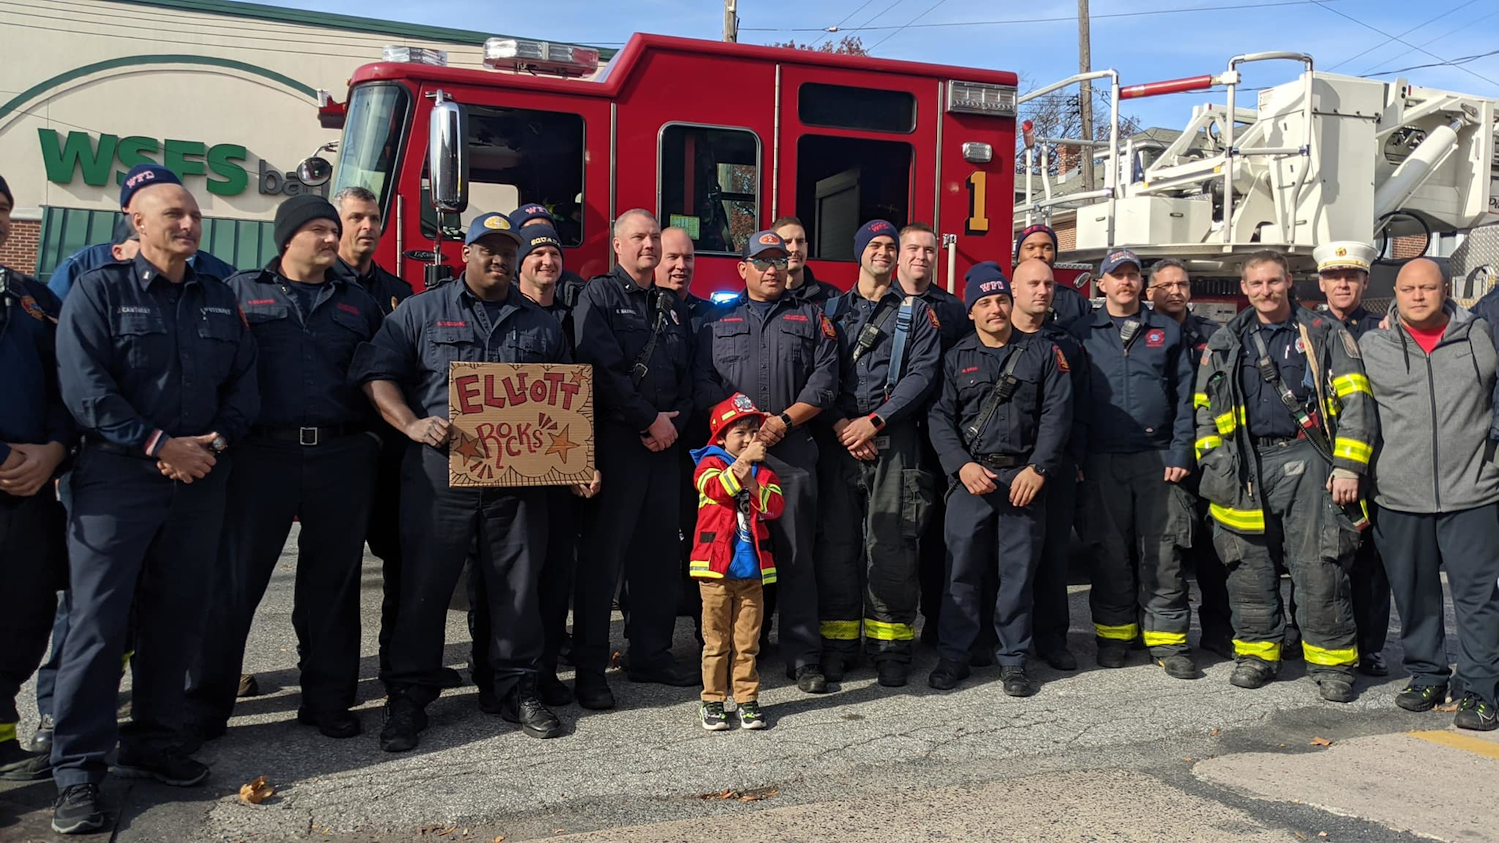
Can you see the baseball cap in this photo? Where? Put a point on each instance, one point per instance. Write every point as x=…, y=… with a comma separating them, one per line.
x=491, y=223
x=142, y=176
x=761, y=242
x=531, y=211
x=1118, y=258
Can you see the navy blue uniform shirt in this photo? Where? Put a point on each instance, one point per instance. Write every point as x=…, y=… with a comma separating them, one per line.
x=305, y=357
x=1359, y=322
x=788, y=356
x=614, y=320
x=99, y=254
x=811, y=290
x=1077, y=361
x=1033, y=424
x=1196, y=331
x=1068, y=306
x=862, y=384
x=138, y=353
x=448, y=323
x=386, y=289
x=32, y=412
x=1140, y=398
x=1266, y=413
x=952, y=315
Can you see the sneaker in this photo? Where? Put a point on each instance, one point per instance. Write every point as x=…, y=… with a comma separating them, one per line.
x=893, y=674
x=18, y=765
x=1113, y=653
x=1336, y=688
x=1373, y=664
x=404, y=719
x=833, y=667
x=169, y=766
x=1178, y=666
x=1421, y=697
x=1252, y=673
x=750, y=716
x=1474, y=713
x=712, y=716
x=947, y=675
x=1015, y=682
x=41, y=740
x=810, y=679
x=522, y=708
x=78, y=810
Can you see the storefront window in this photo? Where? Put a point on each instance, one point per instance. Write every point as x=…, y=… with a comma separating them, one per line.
x=371, y=143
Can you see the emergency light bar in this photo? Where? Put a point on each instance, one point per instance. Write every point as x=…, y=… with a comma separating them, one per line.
x=416, y=55
x=540, y=57
x=981, y=98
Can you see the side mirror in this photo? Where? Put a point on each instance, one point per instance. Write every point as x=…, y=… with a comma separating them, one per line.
x=447, y=150
x=315, y=171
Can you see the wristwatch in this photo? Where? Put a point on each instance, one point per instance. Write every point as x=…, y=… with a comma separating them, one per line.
x=877, y=421
x=1038, y=469
x=786, y=420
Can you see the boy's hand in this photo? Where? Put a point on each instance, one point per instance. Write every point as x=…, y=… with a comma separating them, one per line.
x=753, y=452
x=740, y=468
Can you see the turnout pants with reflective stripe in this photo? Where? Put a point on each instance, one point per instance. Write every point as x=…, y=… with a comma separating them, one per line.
x=134, y=537
x=33, y=565
x=1415, y=548
x=873, y=514
x=988, y=534
x=1052, y=611
x=1304, y=532
x=1213, y=614
x=1134, y=533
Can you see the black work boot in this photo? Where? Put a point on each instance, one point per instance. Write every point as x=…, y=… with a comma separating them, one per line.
x=1336, y=687
x=1112, y=653
x=78, y=810
x=18, y=765
x=947, y=675
x=1015, y=682
x=522, y=708
x=810, y=679
x=168, y=766
x=41, y=740
x=1252, y=673
x=1178, y=666
x=1373, y=664
x=1057, y=655
x=592, y=691
x=1421, y=697
x=339, y=724
x=551, y=691
x=833, y=666
x=893, y=674
x=403, y=720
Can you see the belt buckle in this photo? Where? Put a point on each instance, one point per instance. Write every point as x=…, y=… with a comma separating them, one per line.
x=303, y=436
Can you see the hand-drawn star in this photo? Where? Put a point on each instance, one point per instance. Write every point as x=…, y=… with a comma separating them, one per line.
x=471, y=448
x=561, y=444
x=578, y=375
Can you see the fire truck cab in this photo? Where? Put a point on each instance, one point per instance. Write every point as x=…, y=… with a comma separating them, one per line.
x=718, y=139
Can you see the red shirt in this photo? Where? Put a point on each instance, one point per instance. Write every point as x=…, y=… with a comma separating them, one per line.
x=1427, y=338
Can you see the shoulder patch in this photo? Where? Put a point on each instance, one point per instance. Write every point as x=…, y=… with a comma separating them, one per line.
x=1206, y=355
x=1350, y=345
x=931, y=316
x=243, y=320
x=394, y=303
x=34, y=310
x=827, y=328
x=1061, y=358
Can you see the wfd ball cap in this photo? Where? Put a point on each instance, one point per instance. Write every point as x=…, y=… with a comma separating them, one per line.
x=142, y=176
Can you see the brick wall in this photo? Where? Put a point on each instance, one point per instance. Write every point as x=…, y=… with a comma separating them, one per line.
x=19, y=252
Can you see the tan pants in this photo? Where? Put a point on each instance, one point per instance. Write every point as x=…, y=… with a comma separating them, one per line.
x=732, y=612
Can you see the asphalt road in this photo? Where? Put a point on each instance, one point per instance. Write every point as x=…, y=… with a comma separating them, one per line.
x=1120, y=755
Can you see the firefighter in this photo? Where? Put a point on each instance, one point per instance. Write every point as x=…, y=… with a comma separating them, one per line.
x=35, y=435
x=158, y=368
x=799, y=279
x=1285, y=429
x=481, y=316
x=638, y=339
x=1439, y=505
x=875, y=496
x=1139, y=448
x=783, y=353
x=1343, y=275
x=1032, y=290
x=310, y=457
x=1000, y=427
x=1040, y=242
x=570, y=285
x=1170, y=290
x=916, y=271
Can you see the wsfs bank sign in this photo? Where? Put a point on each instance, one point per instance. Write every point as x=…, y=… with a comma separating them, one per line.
x=106, y=161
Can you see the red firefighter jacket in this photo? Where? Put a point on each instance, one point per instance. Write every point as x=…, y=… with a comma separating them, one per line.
x=718, y=516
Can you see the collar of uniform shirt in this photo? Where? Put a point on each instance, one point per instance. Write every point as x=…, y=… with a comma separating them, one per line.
x=146, y=272
x=466, y=297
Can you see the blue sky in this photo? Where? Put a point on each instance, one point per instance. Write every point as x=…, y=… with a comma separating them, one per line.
x=1143, y=48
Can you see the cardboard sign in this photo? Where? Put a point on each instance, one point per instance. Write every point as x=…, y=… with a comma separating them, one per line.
x=528, y=424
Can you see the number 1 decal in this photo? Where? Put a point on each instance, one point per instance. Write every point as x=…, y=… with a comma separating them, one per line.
x=978, y=191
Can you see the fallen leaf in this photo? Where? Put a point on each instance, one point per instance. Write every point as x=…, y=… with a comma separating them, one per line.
x=1321, y=834
x=499, y=838
x=1188, y=759
x=1214, y=733
x=256, y=791
x=616, y=659
x=1282, y=746
x=1447, y=708
x=1299, y=835
x=759, y=793
x=1321, y=742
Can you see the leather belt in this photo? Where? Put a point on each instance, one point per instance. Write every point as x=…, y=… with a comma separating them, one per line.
x=1275, y=441
x=306, y=436
x=997, y=461
x=112, y=448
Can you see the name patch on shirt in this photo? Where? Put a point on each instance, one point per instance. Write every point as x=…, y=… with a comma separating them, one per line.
x=450, y=324
x=132, y=309
x=348, y=308
x=795, y=317
x=733, y=319
x=222, y=311
x=254, y=302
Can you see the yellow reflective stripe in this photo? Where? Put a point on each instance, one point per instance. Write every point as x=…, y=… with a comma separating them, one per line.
x=767, y=575
x=730, y=482
x=1246, y=520
x=1334, y=406
x=1266, y=650
x=703, y=569
x=1328, y=658
x=1352, y=449
x=7, y=732
x=1226, y=423
x=1127, y=632
x=702, y=481
x=1200, y=399
x=1346, y=385
x=1208, y=443
x=840, y=630
x=1164, y=639
x=881, y=631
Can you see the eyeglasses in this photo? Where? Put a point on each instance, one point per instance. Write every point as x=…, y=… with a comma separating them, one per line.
x=763, y=264
x=1181, y=286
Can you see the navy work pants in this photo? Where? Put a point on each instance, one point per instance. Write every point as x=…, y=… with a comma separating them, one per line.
x=987, y=534
x=794, y=460
x=134, y=536
x=325, y=486
x=33, y=564
x=383, y=533
x=1052, y=613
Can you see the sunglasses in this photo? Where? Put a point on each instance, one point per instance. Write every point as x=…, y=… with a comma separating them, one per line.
x=763, y=264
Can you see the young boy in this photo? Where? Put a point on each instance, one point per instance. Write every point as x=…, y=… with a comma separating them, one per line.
x=731, y=557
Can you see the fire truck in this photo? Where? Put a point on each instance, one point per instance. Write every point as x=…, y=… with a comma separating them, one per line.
x=718, y=139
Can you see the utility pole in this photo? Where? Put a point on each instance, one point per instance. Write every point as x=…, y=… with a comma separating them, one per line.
x=730, y=21
x=1085, y=92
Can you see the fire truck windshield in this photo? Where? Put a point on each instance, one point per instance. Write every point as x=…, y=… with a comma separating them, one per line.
x=372, y=139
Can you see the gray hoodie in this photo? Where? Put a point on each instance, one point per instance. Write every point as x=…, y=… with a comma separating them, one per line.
x=1436, y=414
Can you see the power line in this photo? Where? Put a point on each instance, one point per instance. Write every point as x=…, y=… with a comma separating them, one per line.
x=1389, y=61
x=1407, y=43
x=1065, y=19
x=933, y=8
x=846, y=18
x=1401, y=35
x=1454, y=63
x=877, y=16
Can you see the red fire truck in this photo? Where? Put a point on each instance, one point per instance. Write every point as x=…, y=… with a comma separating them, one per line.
x=716, y=138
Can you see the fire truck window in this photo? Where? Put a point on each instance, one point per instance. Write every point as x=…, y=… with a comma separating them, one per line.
x=861, y=109
x=710, y=185
x=372, y=137
x=516, y=157
x=842, y=183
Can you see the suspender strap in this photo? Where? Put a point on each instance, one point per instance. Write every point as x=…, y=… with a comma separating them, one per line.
x=898, y=350
x=642, y=365
x=1304, y=420
x=1004, y=389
